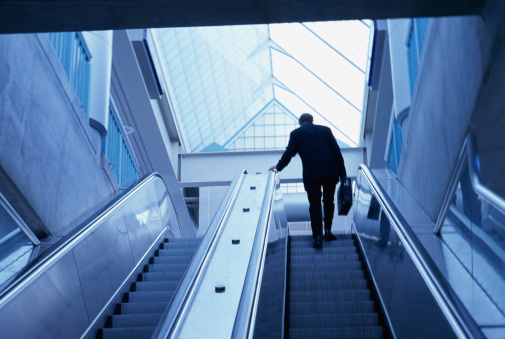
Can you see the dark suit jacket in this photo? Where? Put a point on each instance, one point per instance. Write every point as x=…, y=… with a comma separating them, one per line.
x=319, y=151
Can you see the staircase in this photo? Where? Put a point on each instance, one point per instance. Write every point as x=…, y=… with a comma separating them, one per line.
x=328, y=294
x=143, y=306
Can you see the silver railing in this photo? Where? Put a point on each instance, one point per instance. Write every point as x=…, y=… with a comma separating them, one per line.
x=469, y=154
x=457, y=315
x=248, y=306
x=18, y=220
x=475, y=177
x=175, y=314
x=40, y=267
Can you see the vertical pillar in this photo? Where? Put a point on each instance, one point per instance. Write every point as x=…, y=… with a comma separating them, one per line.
x=100, y=46
x=398, y=31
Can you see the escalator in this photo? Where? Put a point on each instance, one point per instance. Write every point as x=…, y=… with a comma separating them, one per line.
x=143, y=306
x=328, y=294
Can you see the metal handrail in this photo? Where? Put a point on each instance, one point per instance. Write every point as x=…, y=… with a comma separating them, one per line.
x=175, y=314
x=39, y=268
x=475, y=177
x=457, y=315
x=248, y=306
x=18, y=220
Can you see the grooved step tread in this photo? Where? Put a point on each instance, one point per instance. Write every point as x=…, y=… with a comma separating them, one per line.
x=143, y=308
x=326, y=275
x=148, y=296
x=333, y=320
x=174, y=267
x=153, y=286
x=128, y=333
x=322, y=296
x=326, y=267
x=313, y=308
x=136, y=320
x=164, y=260
x=161, y=276
x=308, y=250
x=174, y=252
x=318, y=257
x=327, y=285
x=337, y=333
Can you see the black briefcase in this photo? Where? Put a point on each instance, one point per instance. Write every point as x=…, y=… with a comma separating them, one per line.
x=344, y=196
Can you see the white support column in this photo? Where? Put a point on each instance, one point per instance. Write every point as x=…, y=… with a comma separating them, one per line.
x=398, y=30
x=99, y=44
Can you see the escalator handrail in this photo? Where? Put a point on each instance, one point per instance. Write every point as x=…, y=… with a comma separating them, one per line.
x=174, y=315
x=475, y=177
x=246, y=313
x=45, y=263
x=457, y=315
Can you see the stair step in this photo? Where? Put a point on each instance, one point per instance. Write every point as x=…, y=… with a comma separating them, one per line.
x=322, y=296
x=331, y=308
x=326, y=275
x=336, y=333
x=148, y=296
x=174, y=252
x=166, y=260
x=323, y=266
x=143, y=308
x=333, y=320
x=135, y=320
x=327, y=285
x=321, y=257
x=301, y=238
x=180, y=245
x=174, y=267
x=128, y=333
x=161, y=276
x=303, y=251
x=153, y=286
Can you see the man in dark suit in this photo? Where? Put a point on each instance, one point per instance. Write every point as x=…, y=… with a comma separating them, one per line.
x=322, y=164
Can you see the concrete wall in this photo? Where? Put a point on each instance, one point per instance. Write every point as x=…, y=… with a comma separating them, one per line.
x=455, y=54
x=48, y=150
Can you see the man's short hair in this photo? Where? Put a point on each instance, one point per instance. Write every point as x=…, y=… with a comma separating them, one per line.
x=305, y=118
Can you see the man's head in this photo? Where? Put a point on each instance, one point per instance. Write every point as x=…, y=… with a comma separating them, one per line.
x=305, y=118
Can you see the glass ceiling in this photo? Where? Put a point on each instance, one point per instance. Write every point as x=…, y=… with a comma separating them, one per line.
x=229, y=84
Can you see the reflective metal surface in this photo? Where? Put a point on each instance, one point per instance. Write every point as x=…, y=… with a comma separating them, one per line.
x=174, y=316
x=211, y=314
x=61, y=295
x=406, y=275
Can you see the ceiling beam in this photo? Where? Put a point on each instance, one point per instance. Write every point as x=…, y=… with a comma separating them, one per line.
x=18, y=16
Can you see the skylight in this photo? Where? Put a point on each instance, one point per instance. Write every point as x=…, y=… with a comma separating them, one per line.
x=222, y=79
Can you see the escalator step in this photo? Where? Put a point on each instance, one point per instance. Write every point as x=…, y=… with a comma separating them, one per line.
x=136, y=320
x=321, y=296
x=171, y=260
x=317, y=257
x=325, y=250
x=175, y=252
x=331, y=308
x=333, y=333
x=141, y=297
x=333, y=320
x=327, y=285
x=127, y=333
x=152, y=286
x=340, y=237
x=174, y=267
x=143, y=308
x=328, y=267
x=161, y=276
x=180, y=245
x=326, y=275
x=183, y=240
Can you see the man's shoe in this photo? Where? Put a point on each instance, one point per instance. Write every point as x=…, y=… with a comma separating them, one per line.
x=318, y=242
x=328, y=236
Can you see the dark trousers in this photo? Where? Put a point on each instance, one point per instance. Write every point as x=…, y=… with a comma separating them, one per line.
x=313, y=189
